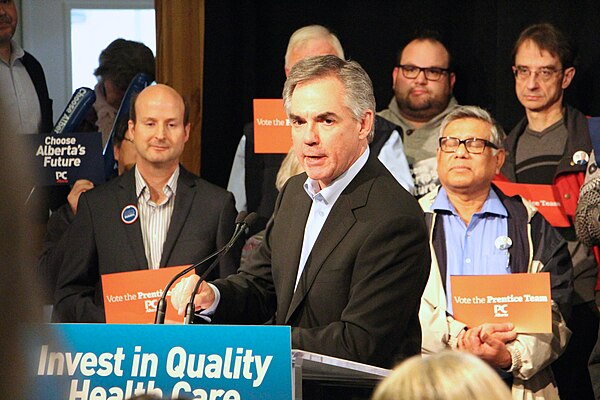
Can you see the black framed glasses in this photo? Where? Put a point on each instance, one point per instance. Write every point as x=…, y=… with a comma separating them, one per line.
x=431, y=74
x=545, y=73
x=449, y=144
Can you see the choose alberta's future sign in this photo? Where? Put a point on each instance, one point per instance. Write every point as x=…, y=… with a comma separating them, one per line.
x=96, y=361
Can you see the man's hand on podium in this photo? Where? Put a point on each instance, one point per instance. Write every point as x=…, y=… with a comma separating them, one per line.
x=181, y=293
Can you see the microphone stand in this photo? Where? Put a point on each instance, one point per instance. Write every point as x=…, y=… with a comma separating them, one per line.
x=189, y=310
x=161, y=307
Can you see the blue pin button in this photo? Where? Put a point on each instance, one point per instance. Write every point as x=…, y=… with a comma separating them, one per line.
x=129, y=214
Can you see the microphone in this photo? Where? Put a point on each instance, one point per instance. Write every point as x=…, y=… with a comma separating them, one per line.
x=161, y=307
x=249, y=220
x=76, y=110
x=587, y=217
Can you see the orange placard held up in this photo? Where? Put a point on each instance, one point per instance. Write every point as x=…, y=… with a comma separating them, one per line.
x=131, y=297
x=272, y=130
x=542, y=197
x=522, y=299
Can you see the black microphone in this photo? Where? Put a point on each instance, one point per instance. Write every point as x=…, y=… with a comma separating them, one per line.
x=161, y=307
x=248, y=222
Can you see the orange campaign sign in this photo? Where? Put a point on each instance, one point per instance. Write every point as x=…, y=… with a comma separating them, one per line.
x=522, y=299
x=272, y=129
x=131, y=297
x=542, y=197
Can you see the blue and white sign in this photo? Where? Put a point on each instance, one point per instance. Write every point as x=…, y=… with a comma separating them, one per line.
x=95, y=361
x=63, y=158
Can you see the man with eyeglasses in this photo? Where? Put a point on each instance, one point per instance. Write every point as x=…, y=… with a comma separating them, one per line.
x=550, y=146
x=423, y=81
x=476, y=230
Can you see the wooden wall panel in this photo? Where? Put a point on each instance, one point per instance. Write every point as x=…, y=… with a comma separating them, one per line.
x=179, y=62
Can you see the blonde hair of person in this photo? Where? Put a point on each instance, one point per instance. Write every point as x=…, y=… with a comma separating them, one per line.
x=448, y=375
x=311, y=32
x=289, y=167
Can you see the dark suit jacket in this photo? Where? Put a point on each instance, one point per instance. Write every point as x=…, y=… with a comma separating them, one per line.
x=358, y=296
x=98, y=242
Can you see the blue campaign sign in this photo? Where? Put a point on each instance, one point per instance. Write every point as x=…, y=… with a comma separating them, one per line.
x=63, y=158
x=204, y=362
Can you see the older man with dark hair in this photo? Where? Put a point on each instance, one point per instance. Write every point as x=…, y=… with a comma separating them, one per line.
x=476, y=230
x=344, y=259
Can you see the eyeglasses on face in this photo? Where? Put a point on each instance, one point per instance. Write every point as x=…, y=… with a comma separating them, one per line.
x=449, y=144
x=431, y=74
x=128, y=139
x=545, y=73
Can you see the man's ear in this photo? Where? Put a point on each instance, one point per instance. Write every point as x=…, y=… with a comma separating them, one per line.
x=500, y=157
x=452, y=80
x=366, y=124
x=187, y=129
x=568, y=77
x=116, y=152
x=395, y=73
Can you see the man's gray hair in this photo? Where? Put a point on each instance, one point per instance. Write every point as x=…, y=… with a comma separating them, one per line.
x=474, y=112
x=358, y=94
x=312, y=32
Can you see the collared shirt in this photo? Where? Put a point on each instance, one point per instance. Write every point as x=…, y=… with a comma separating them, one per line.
x=155, y=218
x=19, y=103
x=323, y=201
x=474, y=249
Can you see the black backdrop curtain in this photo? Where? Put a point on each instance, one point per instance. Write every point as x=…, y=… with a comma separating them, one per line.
x=245, y=43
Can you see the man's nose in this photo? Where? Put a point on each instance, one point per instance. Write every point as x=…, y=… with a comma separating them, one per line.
x=532, y=80
x=461, y=150
x=310, y=133
x=420, y=78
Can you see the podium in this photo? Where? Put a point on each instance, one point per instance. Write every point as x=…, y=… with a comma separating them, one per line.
x=114, y=361
x=319, y=368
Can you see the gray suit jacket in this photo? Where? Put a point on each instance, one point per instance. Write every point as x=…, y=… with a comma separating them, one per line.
x=99, y=242
x=358, y=296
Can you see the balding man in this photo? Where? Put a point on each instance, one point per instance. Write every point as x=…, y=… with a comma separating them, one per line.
x=252, y=178
x=176, y=217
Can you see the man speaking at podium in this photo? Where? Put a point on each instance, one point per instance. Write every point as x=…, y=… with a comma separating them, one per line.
x=344, y=260
x=155, y=215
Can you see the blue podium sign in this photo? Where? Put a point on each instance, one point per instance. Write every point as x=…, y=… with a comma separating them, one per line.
x=204, y=362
